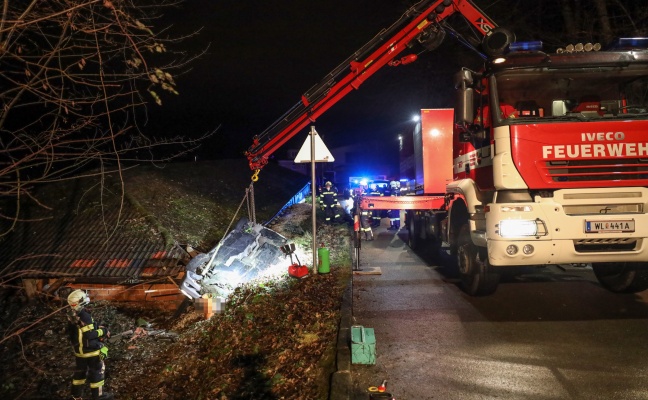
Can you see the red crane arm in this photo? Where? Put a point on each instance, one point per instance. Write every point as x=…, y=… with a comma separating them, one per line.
x=420, y=22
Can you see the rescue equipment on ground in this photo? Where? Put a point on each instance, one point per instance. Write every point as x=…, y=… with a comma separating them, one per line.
x=363, y=345
x=378, y=392
x=381, y=388
x=296, y=270
x=323, y=256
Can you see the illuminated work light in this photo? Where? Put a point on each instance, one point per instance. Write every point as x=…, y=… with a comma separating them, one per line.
x=518, y=227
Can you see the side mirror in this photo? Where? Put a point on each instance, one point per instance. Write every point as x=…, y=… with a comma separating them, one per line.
x=463, y=79
x=465, y=109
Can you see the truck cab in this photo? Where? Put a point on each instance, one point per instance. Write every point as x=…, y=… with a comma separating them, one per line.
x=551, y=164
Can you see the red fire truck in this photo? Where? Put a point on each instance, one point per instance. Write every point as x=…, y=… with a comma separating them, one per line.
x=549, y=165
x=545, y=160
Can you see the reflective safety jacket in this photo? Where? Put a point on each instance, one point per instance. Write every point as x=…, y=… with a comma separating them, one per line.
x=85, y=335
x=328, y=198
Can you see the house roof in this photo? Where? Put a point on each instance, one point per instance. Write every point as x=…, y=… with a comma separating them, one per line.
x=84, y=245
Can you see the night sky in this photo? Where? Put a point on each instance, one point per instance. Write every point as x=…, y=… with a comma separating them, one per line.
x=264, y=55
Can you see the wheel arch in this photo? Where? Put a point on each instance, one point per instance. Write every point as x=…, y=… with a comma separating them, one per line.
x=463, y=200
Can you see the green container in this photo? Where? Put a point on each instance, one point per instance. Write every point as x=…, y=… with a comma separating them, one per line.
x=363, y=345
x=324, y=262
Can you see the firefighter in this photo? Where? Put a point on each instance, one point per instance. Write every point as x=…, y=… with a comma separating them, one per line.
x=375, y=214
x=89, y=351
x=394, y=188
x=394, y=218
x=328, y=201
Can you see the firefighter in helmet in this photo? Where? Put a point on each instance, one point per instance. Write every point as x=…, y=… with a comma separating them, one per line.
x=328, y=201
x=375, y=214
x=86, y=338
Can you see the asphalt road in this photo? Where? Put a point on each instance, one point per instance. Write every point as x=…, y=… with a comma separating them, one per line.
x=545, y=335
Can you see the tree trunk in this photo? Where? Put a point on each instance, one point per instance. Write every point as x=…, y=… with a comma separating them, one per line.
x=568, y=17
x=604, y=20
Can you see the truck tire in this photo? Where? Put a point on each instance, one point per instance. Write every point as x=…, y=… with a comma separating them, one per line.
x=476, y=273
x=413, y=240
x=621, y=277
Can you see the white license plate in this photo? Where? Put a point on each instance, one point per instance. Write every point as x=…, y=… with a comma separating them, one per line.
x=627, y=225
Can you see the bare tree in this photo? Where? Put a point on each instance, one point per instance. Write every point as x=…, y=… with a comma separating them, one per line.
x=76, y=77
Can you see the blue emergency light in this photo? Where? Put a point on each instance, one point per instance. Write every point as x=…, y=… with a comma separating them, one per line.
x=630, y=43
x=534, y=45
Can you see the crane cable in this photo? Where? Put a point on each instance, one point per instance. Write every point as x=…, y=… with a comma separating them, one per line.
x=249, y=196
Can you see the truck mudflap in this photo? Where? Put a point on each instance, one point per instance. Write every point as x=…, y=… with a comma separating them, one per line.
x=248, y=252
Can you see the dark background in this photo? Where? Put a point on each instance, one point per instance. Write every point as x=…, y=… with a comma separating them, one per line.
x=263, y=56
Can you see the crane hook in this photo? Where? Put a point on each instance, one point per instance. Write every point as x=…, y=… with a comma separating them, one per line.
x=255, y=176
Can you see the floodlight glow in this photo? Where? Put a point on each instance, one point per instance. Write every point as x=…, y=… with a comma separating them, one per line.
x=416, y=118
x=518, y=227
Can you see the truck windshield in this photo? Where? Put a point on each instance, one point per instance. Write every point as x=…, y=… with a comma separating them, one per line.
x=549, y=95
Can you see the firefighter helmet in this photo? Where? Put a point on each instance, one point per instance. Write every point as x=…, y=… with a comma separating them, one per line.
x=78, y=299
x=328, y=183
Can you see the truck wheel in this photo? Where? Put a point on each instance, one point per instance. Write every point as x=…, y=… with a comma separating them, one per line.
x=621, y=277
x=413, y=241
x=477, y=276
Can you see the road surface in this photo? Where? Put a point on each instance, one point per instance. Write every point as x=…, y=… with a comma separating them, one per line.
x=541, y=336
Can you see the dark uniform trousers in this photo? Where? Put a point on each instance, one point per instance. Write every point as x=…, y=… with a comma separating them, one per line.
x=94, y=367
x=365, y=222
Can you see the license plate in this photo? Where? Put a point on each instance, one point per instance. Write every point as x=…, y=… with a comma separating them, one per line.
x=627, y=225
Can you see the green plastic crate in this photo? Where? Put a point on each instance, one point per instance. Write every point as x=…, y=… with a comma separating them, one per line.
x=363, y=345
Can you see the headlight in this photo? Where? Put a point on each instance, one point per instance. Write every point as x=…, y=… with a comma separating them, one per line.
x=518, y=227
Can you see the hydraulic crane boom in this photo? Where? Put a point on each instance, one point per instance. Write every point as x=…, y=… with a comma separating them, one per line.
x=422, y=22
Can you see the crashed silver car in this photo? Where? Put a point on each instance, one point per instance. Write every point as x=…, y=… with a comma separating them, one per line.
x=248, y=252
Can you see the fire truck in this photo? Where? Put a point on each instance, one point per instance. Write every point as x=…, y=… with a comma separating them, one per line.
x=544, y=161
x=549, y=166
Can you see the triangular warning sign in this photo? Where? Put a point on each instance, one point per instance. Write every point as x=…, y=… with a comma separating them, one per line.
x=322, y=154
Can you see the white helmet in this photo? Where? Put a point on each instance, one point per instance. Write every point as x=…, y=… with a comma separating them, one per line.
x=78, y=299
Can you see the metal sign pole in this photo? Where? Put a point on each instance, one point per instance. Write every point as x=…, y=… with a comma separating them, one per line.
x=318, y=152
x=314, y=193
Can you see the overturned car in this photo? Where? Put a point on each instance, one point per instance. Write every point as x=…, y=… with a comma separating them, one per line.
x=248, y=252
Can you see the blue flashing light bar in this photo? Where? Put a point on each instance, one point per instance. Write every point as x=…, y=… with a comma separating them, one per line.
x=630, y=43
x=534, y=45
